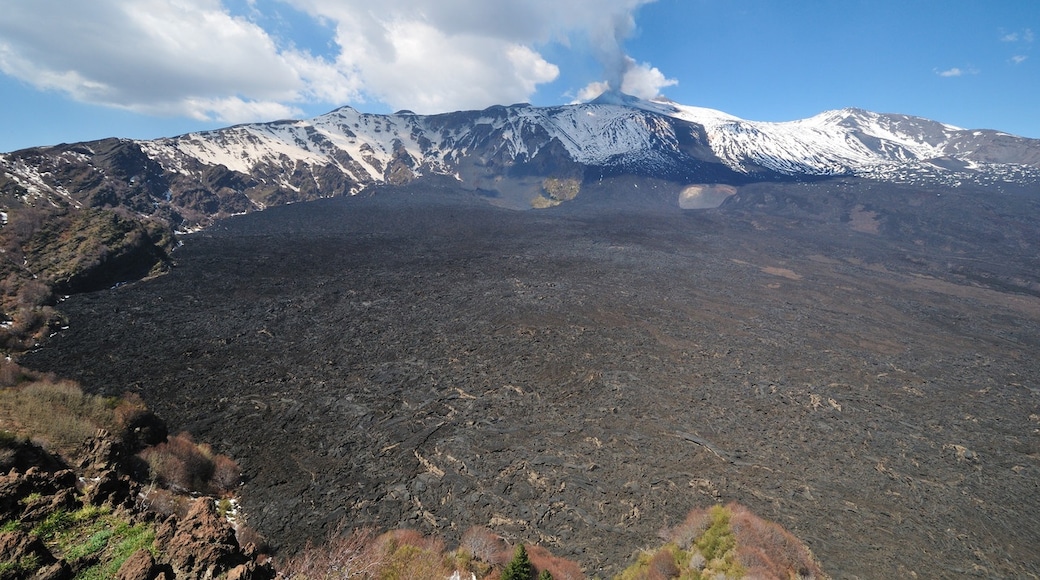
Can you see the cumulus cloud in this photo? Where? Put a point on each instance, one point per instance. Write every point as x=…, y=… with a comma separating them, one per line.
x=195, y=58
x=171, y=57
x=471, y=53
x=1018, y=59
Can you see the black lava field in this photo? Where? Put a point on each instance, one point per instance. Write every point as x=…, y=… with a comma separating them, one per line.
x=859, y=363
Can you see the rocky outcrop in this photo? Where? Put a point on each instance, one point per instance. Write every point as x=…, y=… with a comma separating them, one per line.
x=140, y=566
x=37, y=497
x=204, y=546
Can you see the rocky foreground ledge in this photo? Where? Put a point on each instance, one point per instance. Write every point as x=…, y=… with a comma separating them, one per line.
x=91, y=520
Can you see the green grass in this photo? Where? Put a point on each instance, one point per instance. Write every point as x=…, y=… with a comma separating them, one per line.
x=94, y=544
x=10, y=526
x=94, y=533
x=718, y=539
x=716, y=544
x=55, y=523
x=123, y=544
x=34, y=496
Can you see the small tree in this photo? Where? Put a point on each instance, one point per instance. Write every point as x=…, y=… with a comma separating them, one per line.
x=545, y=575
x=519, y=568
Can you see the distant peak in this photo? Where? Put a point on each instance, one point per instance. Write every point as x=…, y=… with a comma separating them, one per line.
x=618, y=98
x=615, y=97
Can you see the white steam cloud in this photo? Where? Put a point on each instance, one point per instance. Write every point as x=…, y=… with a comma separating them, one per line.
x=622, y=72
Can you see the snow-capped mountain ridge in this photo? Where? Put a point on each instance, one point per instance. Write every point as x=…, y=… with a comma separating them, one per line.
x=508, y=151
x=611, y=129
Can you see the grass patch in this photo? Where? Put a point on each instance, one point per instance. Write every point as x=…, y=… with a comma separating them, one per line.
x=122, y=544
x=10, y=526
x=58, y=521
x=718, y=540
x=94, y=533
x=94, y=544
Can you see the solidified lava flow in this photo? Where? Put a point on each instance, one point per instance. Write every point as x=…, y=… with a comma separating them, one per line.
x=583, y=376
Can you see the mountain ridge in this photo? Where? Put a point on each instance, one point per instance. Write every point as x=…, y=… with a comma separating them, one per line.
x=504, y=152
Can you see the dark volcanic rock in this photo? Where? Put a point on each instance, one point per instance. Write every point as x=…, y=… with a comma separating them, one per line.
x=856, y=363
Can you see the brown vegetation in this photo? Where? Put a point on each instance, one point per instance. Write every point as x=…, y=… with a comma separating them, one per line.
x=408, y=554
x=767, y=550
x=184, y=465
x=726, y=541
x=89, y=521
x=55, y=413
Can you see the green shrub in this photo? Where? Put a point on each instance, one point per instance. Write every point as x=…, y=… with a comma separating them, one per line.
x=718, y=539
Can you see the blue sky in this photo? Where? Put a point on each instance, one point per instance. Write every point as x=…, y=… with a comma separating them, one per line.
x=72, y=71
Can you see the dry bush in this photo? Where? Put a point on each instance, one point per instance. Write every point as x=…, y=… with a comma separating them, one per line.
x=11, y=374
x=34, y=293
x=56, y=414
x=683, y=535
x=398, y=554
x=560, y=568
x=408, y=562
x=662, y=566
x=344, y=555
x=227, y=475
x=485, y=545
x=180, y=463
x=130, y=408
x=407, y=554
x=767, y=550
x=413, y=538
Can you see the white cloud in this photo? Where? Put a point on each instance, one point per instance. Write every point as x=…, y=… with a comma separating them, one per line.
x=957, y=72
x=1024, y=36
x=639, y=80
x=194, y=58
x=175, y=57
x=454, y=54
x=591, y=91
x=1018, y=59
x=644, y=81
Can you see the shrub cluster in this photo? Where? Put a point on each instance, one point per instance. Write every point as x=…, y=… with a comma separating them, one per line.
x=56, y=413
x=727, y=542
x=408, y=554
x=184, y=465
